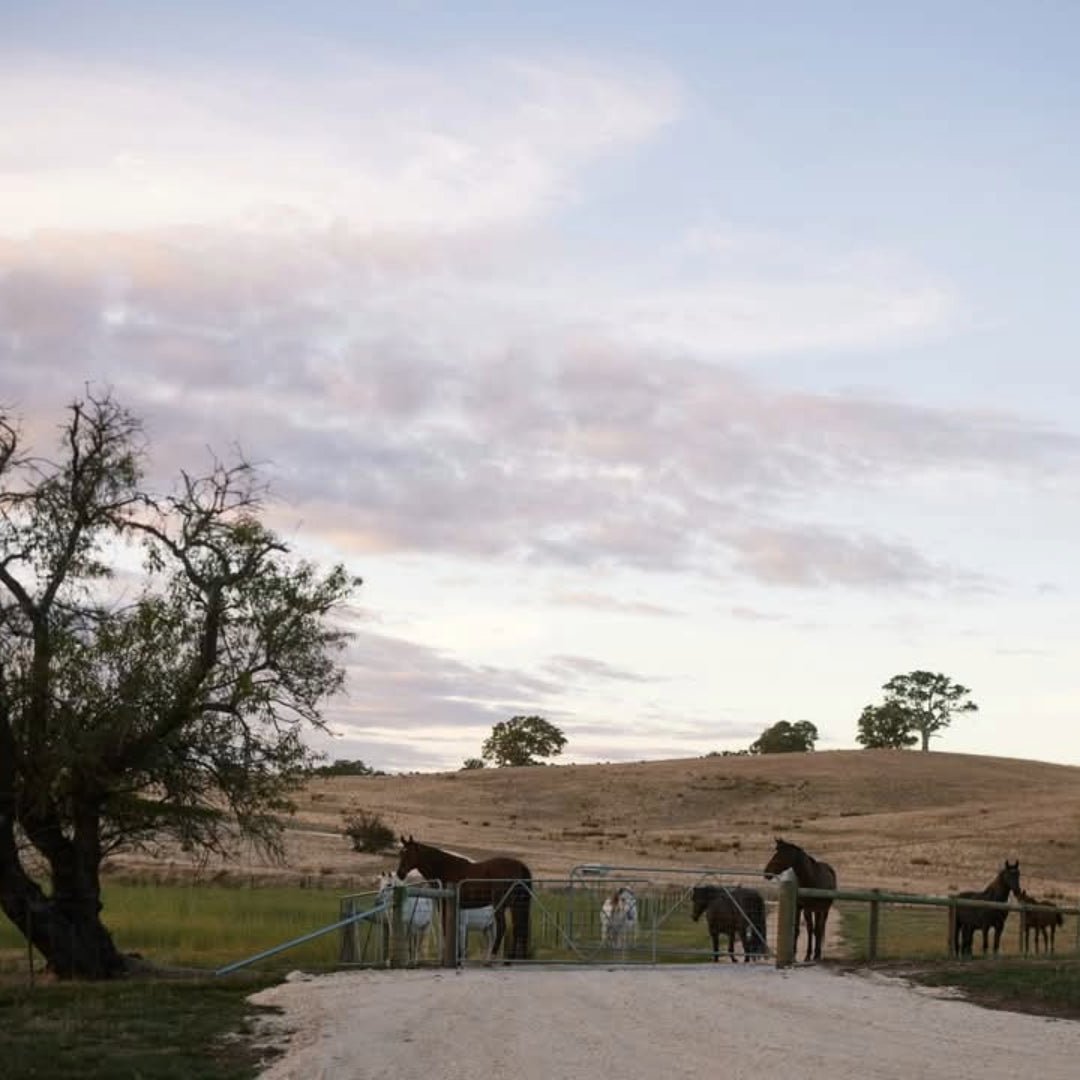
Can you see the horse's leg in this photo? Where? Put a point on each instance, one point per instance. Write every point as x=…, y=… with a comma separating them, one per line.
x=500, y=927
x=522, y=903
x=714, y=933
x=808, y=915
x=819, y=932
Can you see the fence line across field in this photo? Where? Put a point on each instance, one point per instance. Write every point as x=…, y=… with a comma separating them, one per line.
x=875, y=898
x=565, y=917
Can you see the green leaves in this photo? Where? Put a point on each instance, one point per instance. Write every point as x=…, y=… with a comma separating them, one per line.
x=521, y=740
x=917, y=706
x=785, y=737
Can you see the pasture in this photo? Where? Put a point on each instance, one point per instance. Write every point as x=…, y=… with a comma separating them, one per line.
x=926, y=823
x=201, y=925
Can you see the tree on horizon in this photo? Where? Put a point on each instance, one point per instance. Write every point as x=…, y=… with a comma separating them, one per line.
x=928, y=700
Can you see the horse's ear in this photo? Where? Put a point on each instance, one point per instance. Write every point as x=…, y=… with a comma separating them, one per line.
x=402, y=839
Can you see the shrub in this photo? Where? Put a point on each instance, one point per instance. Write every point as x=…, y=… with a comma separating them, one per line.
x=368, y=832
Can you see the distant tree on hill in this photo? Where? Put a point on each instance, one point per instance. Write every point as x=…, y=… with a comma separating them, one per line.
x=785, y=737
x=472, y=763
x=521, y=740
x=928, y=700
x=887, y=726
x=344, y=767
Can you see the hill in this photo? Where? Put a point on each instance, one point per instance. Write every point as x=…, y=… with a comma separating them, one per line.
x=896, y=819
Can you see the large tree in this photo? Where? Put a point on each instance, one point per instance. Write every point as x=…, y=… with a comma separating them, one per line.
x=929, y=699
x=522, y=740
x=785, y=737
x=162, y=704
x=887, y=726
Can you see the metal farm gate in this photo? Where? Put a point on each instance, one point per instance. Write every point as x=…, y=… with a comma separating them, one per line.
x=565, y=920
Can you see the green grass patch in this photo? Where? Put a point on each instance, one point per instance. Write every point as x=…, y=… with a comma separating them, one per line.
x=1048, y=987
x=114, y=1031
x=207, y=926
x=915, y=933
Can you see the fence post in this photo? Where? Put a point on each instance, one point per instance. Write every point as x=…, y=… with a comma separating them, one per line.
x=952, y=928
x=872, y=930
x=399, y=939
x=347, y=952
x=451, y=907
x=786, y=916
x=1022, y=943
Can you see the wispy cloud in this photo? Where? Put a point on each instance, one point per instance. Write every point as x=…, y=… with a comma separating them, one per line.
x=394, y=421
x=590, y=668
x=353, y=139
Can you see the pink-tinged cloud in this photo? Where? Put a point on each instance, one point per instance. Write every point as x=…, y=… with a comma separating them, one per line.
x=394, y=415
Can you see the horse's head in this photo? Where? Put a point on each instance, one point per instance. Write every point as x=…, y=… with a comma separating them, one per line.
x=410, y=857
x=783, y=858
x=702, y=894
x=1010, y=875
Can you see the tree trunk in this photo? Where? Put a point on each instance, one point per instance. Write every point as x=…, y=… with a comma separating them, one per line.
x=925, y=740
x=65, y=928
x=68, y=932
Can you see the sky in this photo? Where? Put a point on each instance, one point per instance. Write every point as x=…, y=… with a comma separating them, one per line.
x=665, y=371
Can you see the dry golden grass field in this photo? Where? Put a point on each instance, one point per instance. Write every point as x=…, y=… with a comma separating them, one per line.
x=920, y=822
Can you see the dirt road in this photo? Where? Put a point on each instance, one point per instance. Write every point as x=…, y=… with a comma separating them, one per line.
x=732, y=1021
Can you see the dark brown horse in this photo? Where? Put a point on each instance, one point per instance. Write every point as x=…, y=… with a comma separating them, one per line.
x=1044, y=922
x=502, y=882
x=970, y=919
x=734, y=912
x=811, y=874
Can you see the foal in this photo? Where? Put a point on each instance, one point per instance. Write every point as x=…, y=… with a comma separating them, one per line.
x=1043, y=922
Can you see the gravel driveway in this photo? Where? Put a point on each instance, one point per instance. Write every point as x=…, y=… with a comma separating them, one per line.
x=726, y=1021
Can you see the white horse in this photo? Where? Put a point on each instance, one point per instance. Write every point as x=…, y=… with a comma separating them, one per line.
x=476, y=918
x=416, y=912
x=618, y=919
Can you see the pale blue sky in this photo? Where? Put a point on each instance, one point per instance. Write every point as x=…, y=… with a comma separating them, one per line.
x=666, y=371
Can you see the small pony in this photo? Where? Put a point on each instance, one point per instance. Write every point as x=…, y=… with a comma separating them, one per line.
x=618, y=919
x=736, y=912
x=417, y=912
x=1044, y=922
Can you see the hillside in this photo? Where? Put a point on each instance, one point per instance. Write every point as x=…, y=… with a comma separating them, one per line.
x=898, y=819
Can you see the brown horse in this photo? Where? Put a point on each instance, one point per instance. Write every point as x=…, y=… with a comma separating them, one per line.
x=1044, y=922
x=970, y=919
x=811, y=874
x=501, y=882
x=735, y=911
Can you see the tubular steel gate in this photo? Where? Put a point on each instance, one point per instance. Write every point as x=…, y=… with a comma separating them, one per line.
x=565, y=921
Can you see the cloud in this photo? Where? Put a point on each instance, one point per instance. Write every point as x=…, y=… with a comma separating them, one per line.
x=353, y=139
x=600, y=602
x=590, y=669
x=395, y=416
